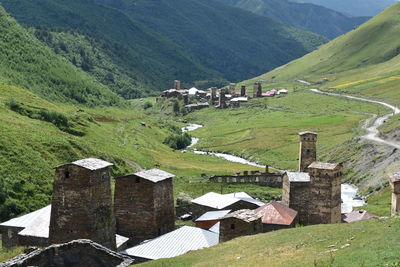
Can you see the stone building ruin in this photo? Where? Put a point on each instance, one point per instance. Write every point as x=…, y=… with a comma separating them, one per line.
x=82, y=203
x=394, y=181
x=144, y=205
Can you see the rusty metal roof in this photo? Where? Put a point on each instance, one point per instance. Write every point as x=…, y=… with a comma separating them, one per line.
x=154, y=175
x=358, y=215
x=244, y=215
x=323, y=165
x=276, y=213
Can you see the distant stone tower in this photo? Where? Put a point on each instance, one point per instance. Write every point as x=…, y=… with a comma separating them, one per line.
x=144, y=205
x=243, y=90
x=308, y=150
x=213, y=96
x=177, y=85
x=222, y=100
x=394, y=180
x=324, y=204
x=82, y=203
x=232, y=88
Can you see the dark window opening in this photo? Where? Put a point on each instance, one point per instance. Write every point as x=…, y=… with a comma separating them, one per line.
x=137, y=180
x=308, y=150
x=66, y=174
x=159, y=231
x=232, y=226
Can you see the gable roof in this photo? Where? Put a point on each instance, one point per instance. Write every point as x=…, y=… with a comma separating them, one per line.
x=245, y=215
x=307, y=132
x=213, y=215
x=323, y=165
x=175, y=243
x=276, y=213
x=90, y=164
x=154, y=175
x=26, y=220
x=245, y=197
x=298, y=176
x=358, y=215
x=215, y=200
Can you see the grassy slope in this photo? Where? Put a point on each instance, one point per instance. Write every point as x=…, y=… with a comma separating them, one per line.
x=28, y=63
x=364, y=61
x=314, y=18
x=370, y=243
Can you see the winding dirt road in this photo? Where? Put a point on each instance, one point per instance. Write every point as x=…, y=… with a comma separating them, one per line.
x=372, y=131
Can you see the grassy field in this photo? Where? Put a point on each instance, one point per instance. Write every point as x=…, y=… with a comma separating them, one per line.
x=365, y=243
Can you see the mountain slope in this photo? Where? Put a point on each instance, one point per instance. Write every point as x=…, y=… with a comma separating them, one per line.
x=28, y=63
x=365, y=60
x=314, y=18
x=354, y=7
x=199, y=42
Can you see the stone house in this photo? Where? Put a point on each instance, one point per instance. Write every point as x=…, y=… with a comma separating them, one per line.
x=214, y=202
x=82, y=203
x=295, y=193
x=276, y=216
x=394, y=181
x=239, y=223
x=144, y=205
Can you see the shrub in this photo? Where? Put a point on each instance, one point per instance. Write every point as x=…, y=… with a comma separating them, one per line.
x=147, y=105
x=175, y=141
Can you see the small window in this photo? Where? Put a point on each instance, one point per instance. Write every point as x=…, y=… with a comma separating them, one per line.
x=159, y=231
x=137, y=180
x=233, y=226
x=66, y=174
x=308, y=150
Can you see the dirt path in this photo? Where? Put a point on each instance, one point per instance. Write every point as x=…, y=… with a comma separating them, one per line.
x=372, y=131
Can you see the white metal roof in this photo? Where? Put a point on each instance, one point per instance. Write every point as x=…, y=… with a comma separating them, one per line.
x=213, y=215
x=298, y=176
x=215, y=228
x=26, y=220
x=92, y=164
x=154, y=175
x=120, y=240
x=175, y=243
x=215, y=200
x=193, y=91
x=240, y=99
x=245, y=197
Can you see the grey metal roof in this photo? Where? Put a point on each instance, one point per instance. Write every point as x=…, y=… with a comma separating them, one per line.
x=323, y=165
x=175, y=243
x=154, y=175
x=244, y=215
x=215, y=200
x=213, y=215
x=92, y=164
x=215, y=228
x=120, y=240
x=298, y=176
x=307, y=132
x=245, y=197
x=28, y=219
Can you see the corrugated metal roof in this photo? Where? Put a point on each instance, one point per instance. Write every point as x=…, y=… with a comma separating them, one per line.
x=92, y=164
x=215, y=228
x=26, y=220
x=245, y=197
x=120, y=240
x=215, y=200
x=175, y=243
x=298, y=176
x=358, y=215
x=154, y=175
x=213, y=215
x=244, y=215
x=276, y=213
x=40, y=226
x=323, y=165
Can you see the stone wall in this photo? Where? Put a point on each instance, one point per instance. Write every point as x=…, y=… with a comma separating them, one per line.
x=82, y=206
x=295, y=195
x=10, y=236
x=78, y=253
x=143, y=209
x=274, y=227
x=231, y=228
x=264, y=179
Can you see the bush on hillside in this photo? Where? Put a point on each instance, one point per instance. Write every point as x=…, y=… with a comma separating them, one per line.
x=175, y=141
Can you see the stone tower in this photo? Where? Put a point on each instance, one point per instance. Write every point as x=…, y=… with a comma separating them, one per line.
x=213, y=96
x=394, y=180
x=222, y=100
x=232, y=88
x=144, y=205
x=324, y=204
x=177, y=85
x=82, y=203
x=308, y=150
x=243, y=90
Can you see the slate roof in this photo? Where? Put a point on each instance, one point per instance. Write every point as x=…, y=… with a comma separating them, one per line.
x=298, y=176
x=358, y=215
x=394, y=176
x=92, y=164
x=276, y=213
x=323, y=165
x=213, y=215
x=154, y=175
x=244, y=215
x=307, y=132
x=175, y=243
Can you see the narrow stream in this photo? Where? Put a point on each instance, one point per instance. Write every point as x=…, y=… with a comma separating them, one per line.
x=350, y=197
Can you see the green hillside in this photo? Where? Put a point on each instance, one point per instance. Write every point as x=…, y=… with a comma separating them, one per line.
x=366, y=243
x=28, y=63
x=364, y=61
x=314, y=18
x=139, y=47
